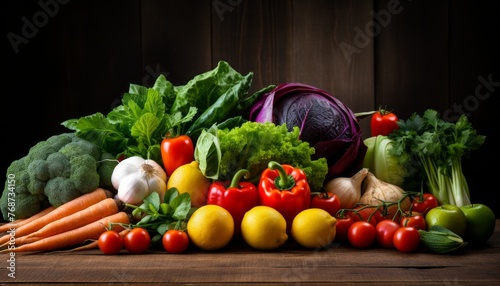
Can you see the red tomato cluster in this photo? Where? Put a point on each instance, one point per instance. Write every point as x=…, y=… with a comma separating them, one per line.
x=136, y=240
x=364, y=227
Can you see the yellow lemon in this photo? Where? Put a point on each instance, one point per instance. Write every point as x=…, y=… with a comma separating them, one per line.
x=188, y=178
x=313, y=228
x=210, y=227
x=264, y=228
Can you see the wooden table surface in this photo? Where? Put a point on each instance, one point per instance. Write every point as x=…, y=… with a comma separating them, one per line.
x=239, y=264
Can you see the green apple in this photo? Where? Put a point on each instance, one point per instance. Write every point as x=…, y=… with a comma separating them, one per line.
x=480, y=223
x=449, y=216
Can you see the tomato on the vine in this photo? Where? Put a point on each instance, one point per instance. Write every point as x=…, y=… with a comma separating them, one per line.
x=175, y=241
x=413, y=219
x=361, y=234
x=342, y=226
x=385, y=232
x=406, y=239
x=175, y=152
x=424, y=203
x=110, y=242
x=327, y=201
x=137, y=240
x=365, y=213
x=383, y=122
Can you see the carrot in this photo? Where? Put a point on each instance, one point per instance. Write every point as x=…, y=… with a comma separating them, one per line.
x=20, y=222
x=94, y=212
x=75, y=236
x=66, y=209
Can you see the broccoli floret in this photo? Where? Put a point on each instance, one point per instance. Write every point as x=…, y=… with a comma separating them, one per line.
x=59, y=165
x=78, y=147
x=60, y=190
x=54, y=172
x=23, y=205
x=39, y=169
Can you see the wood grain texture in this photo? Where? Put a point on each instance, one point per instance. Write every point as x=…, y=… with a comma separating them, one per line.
x=238, y=264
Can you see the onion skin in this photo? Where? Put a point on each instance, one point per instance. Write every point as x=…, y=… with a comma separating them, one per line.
x=376, y=191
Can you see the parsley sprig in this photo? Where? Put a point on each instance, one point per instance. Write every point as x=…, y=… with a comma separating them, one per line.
x=431, y=149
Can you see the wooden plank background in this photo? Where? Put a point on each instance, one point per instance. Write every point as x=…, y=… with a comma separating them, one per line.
x=78, y=57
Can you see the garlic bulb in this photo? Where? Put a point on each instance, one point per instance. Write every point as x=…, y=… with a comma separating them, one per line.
x=135, y=178
x=348, y=189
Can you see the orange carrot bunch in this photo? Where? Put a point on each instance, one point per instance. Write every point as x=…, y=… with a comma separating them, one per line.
x=70, y=224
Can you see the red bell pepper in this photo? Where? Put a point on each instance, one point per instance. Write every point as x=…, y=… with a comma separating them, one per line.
x=286, y=189
x=235, y=196
x=175, y=152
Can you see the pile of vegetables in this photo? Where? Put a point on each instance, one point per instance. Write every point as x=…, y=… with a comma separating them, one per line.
x=168, y=150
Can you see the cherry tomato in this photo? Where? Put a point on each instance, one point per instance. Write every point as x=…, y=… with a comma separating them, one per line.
x=361, y=234
x=362, y=214
x=342, y=226
x=137, y=240
x=328, y=201
x=385, y=232
x=175, y=241
x=406, y=239
x=413, y=219
x=176, y=151
x=383, y=122
x=424, y=203
x=110, y=242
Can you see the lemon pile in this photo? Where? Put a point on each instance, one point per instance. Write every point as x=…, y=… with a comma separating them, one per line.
x=211, y=227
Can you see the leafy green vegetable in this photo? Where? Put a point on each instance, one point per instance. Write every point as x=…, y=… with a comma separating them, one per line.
x=381, y=163
x=253, y=145
x=208, y=153
x=157, y=217
x=431, y=149
x=147, y=115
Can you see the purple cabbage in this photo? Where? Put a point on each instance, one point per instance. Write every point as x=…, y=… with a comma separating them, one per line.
x=324, y=121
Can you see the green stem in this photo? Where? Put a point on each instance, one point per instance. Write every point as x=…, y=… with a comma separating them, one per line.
x=235, y=182
x=284, y=181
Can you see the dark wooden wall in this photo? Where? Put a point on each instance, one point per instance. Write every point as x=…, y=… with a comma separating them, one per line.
x=74, y=58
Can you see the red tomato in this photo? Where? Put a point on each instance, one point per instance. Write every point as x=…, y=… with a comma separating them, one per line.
x=328, y=201
x=137, y=240
x=406, y=239
x=342, y=226
x=175, y=241
x=361, y=234
x=362, y=214
x=175, y=152
x=383, y=122
x=110, y=242
x=424, y=203
x=413, y=219
x=385, y=232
